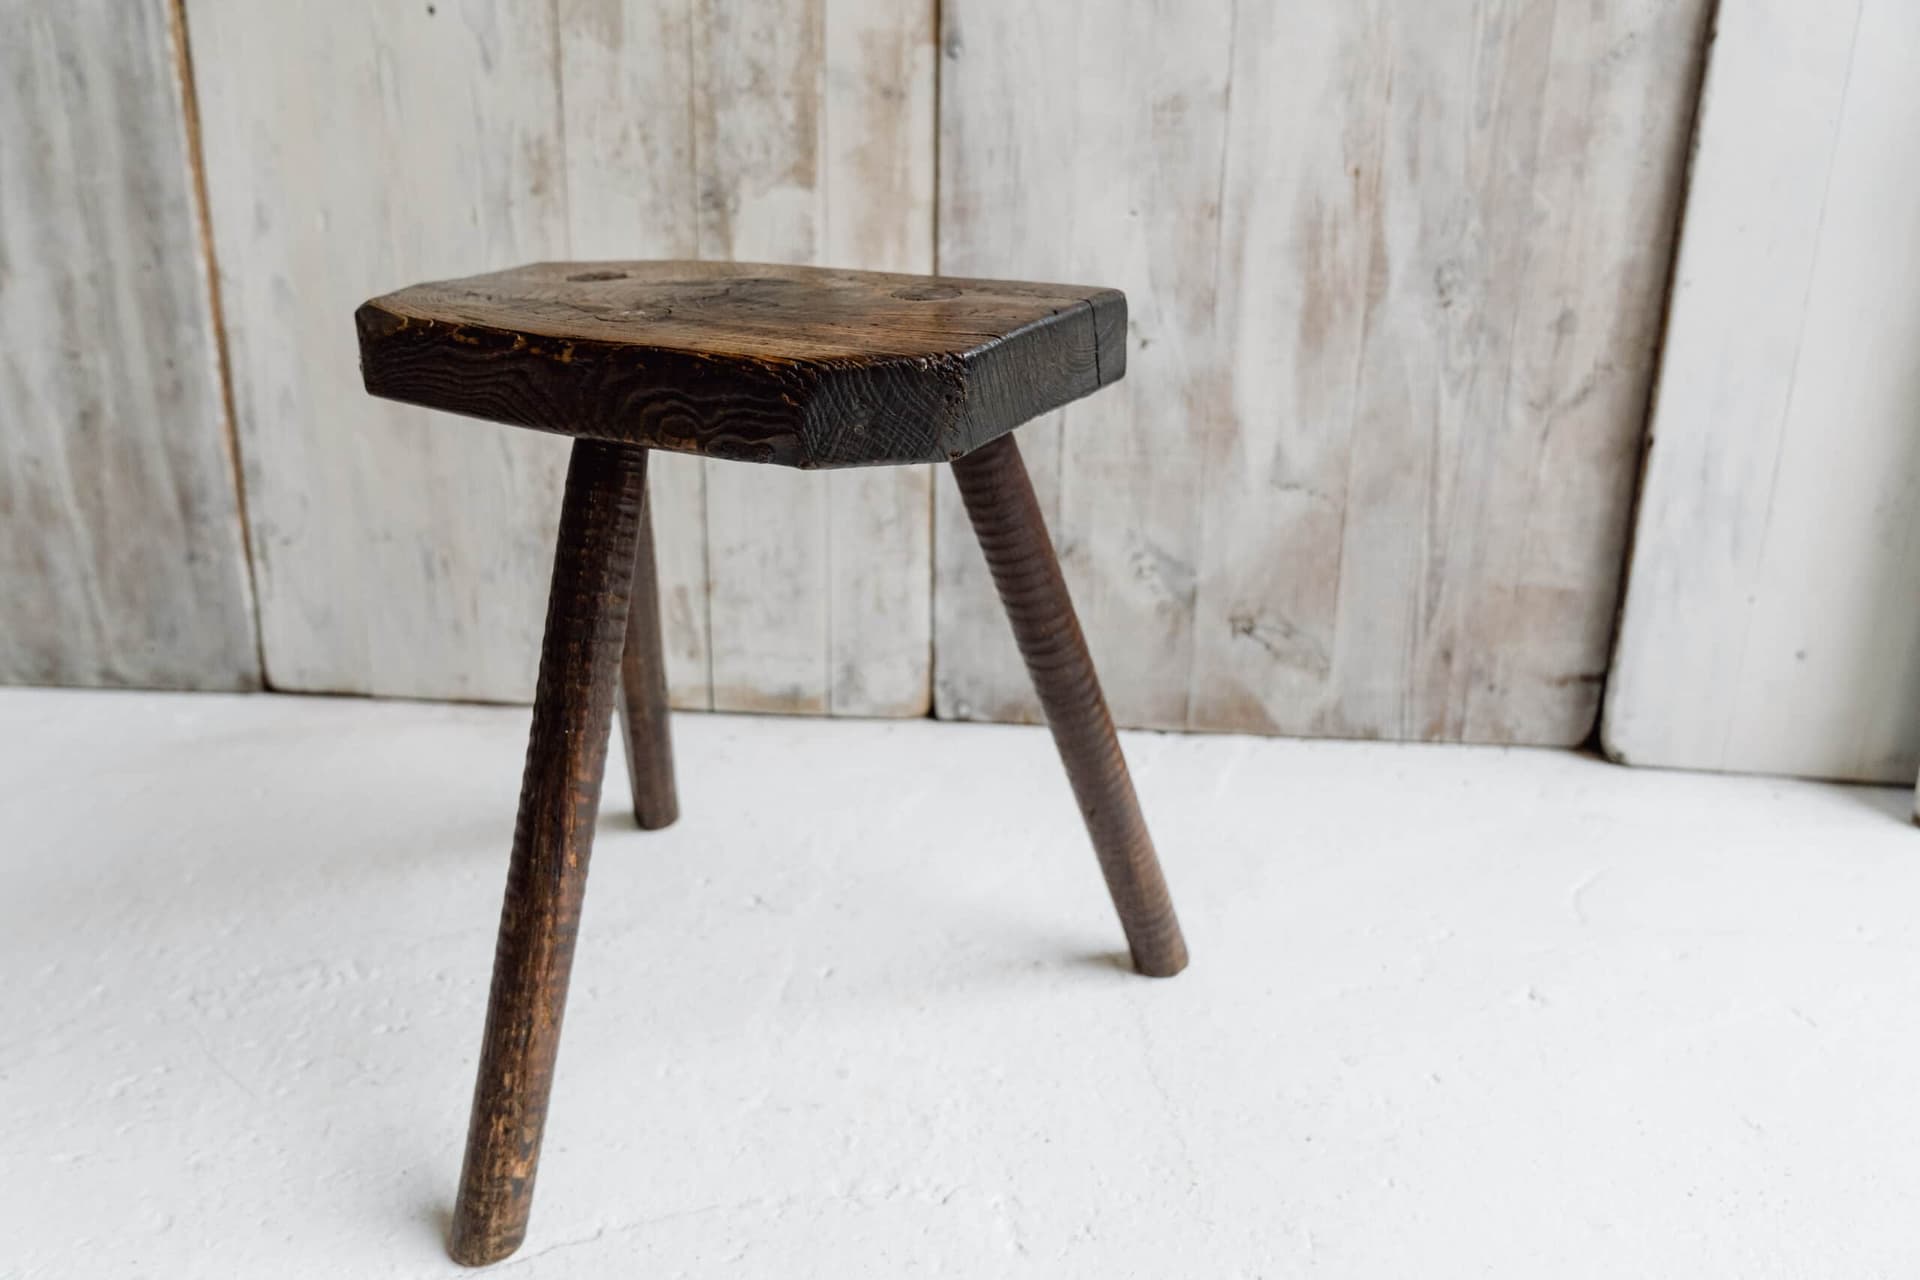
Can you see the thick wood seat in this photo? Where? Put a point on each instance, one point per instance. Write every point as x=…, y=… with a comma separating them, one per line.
x=800, y=366
x=790, y=365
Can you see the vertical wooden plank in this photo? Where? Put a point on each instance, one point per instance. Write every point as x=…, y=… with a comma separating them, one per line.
x=1830, y=664
x=1775, y=83
x=1304, y=272
x=1530, y=179
x=805, y=130
x=877, y=168
x=626, y=78
x=1132, y=466
x=1770, y=624
x=1008, y=116
x=783, y=131
x=350, y=147
x=1396, y=272
x=758, y=75
x=120, y=536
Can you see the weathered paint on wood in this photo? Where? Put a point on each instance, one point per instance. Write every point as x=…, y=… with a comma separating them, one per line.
x=632, y=191
x=1770, y=623
x=349, y=145
x=795, y=131
x=1396, y=273
x=877, y=166
x=121, y=550
x=402, y=554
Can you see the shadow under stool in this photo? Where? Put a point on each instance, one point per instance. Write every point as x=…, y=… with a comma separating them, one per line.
x=794, y=366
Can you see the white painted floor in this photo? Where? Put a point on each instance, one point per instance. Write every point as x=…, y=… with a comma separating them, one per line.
x=1453, y=1012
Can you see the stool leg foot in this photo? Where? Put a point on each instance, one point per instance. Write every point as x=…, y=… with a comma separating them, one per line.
x=643, y=695
x=547, y=876
x=1006, y=519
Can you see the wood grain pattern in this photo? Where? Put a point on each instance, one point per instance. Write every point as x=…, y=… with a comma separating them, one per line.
x=796, y=366
x=552, y=844
x=1013, y=539
x=350, y=145
x=791, y=131
x=645, y=721
x=1396, y=272
x=1770, y=622
x=120, y=539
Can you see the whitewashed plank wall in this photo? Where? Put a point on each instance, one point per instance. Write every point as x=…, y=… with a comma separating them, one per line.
x=1396, y=271
x=351, y=148
x=1772, y=621
x=121, y=557
x=778, y=131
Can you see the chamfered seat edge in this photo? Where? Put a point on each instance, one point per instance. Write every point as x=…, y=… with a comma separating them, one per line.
x=799, y=410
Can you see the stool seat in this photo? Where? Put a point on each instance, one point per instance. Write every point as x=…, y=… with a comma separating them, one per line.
x=799, y=366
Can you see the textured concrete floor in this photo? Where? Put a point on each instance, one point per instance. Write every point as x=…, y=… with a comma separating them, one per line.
x=1453, y=1012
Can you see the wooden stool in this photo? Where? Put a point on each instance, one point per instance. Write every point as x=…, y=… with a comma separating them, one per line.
x=789, y=365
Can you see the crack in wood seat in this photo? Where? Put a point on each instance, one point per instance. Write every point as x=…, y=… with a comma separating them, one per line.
x=791, y=365
x=799, y=366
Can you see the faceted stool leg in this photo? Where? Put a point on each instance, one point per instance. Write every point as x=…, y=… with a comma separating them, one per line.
x=1006, y=520
x=643, y=694
x=547, y=876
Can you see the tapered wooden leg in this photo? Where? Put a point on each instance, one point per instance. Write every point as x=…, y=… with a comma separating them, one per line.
x=1006, y=519
x=643, y=694
x=547, y=877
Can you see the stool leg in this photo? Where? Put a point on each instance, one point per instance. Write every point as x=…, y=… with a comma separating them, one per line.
x=1006, y=519
x=547, y=876
x=643, y=694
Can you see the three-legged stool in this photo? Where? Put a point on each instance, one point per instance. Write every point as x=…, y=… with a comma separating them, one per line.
x=789, y=365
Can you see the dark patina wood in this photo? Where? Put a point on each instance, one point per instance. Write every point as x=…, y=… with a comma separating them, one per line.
x=1006, y=519
x=789, y=365
x=644, y=713
x=800, y=366
x=593, y=572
